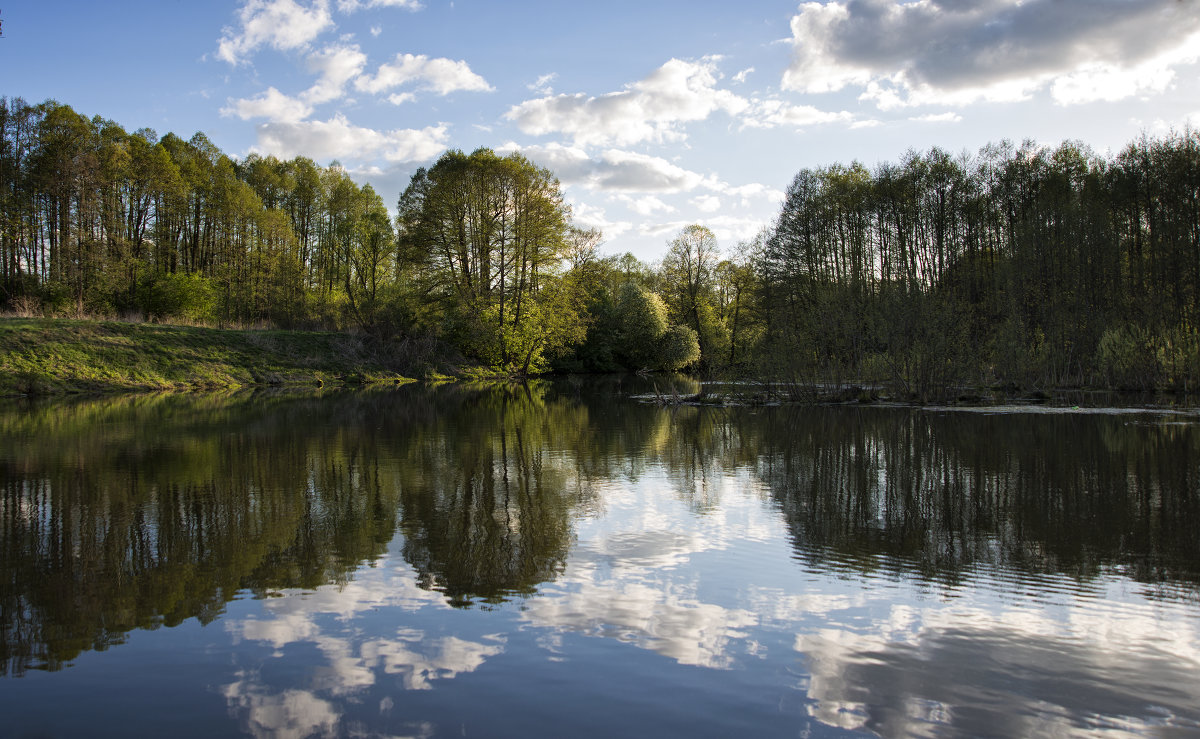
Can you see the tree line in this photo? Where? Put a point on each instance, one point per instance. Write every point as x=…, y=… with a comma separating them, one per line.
x=101, y=221
x=1018, y=265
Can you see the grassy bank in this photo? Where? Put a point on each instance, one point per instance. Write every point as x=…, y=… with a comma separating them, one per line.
x=50, y=356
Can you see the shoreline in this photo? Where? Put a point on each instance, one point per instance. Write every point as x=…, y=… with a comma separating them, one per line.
x=59, y=357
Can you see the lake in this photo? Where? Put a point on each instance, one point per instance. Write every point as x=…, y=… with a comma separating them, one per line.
x=560, y=559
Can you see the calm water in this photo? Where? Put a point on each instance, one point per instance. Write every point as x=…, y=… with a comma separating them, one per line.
x=560, y=560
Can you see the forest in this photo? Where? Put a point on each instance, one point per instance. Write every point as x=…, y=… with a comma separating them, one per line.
x=1018, y=266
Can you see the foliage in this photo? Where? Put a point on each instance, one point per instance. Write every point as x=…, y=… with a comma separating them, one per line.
x=679, y=348
x=39, y=356
x=191, y=298
x=1019, y=265
x=485, y=237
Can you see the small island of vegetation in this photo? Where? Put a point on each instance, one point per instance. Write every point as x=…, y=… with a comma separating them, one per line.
x=1018, y=267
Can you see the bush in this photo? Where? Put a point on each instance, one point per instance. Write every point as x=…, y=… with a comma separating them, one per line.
x=1136, y=358
x=679, y=346
x=192, y=298
x=642, y=318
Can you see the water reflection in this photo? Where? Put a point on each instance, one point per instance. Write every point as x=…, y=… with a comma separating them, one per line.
x=141, y=512
x=944, y=492
x=1012, y=671
x=888, y=570
x=486, y=500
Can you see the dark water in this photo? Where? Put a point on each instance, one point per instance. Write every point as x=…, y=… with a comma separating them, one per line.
x=563, y=561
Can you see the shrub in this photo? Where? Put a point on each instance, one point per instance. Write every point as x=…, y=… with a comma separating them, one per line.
x=192, y=298
x=679, y=346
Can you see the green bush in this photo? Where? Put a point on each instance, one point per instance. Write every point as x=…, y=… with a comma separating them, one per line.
x=679, y=346
x=642, y=318
x=192, y=298
x=1126, y=356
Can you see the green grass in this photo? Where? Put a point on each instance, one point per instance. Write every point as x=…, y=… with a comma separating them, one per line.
x=51, y=356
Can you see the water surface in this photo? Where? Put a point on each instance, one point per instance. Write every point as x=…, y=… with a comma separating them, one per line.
x=561, y=560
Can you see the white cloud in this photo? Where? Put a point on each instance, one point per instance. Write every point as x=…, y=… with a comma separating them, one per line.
x=337, y=138
x=641, y=182
x=335, y=65
x=376, y=30
x=272, y=105
x=742, y=75
x=652, y=109
x=350, y=6
x=1109, y=82
x=771, y=113
x=728, y=229
x=951, y=52
x=400, y=98
x=614, y=169
x=751, y=192
x=442, y=76
x=542, y=84
x=280, y=24
x=646, y=205
x=590, y=216
x=948, y=117
x=626, y=170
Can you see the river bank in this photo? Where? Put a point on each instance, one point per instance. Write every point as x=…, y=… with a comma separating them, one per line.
x=44, y=356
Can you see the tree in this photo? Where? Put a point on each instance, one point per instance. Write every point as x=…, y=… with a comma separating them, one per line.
x=486, y=235
x=689, y=270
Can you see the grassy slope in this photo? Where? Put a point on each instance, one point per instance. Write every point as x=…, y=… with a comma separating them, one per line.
x=58, y=355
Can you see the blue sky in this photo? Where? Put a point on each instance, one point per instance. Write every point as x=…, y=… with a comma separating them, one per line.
x=653, y=114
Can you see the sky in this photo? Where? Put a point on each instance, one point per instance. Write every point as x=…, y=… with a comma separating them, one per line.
x=653, y=114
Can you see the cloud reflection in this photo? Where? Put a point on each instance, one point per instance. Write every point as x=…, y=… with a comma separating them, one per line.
x=350, y=663
x=631, y=581
x=1008, y=671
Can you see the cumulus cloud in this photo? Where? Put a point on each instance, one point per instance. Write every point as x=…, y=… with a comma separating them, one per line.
x=728, y=229
x=771, y=113
x=948, y=117
x=280, y=24
x=442, y=76
x=591, y=216
x=613, y=169
x=646, y=205
x=272, y=105
x=646, y=186
x=957, y=52
x=335, y=66
x=652, y=109
x=350, y=6
x=748, y=194
x=337, y=138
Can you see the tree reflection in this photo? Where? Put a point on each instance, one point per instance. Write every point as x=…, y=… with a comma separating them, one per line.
x=944, y=492
x=489, y=491
x=129, y=513
x=141, y=512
